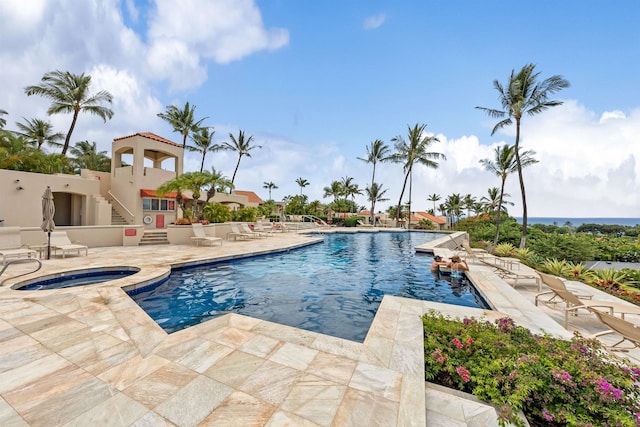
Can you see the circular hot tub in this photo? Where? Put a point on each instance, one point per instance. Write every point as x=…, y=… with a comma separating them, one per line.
x=73, y=278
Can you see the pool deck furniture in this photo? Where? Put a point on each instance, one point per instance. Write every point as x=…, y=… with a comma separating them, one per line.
x=200, y=236
x=60, y=243
x=83, y=356
x=11, y=245
x=259, y=227
x=244, y=228
x=515, y=276
x=235, y=233
x=627, y=330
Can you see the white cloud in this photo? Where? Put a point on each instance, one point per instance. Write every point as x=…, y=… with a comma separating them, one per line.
x=373, y=22
x=609, y=115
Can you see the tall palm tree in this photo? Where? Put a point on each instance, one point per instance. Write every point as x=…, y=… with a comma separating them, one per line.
x=183, y=121
x=377, y=151
x=334, y=190
x=350, y=189
x=453, y=206
x=434, y=198
x=87, y=156
x=491, y=203
x=203, y=143
x=524, y=95
x=269, y=186
x=38, y=132
x=240, y=145
x=69, y=93
x=302, y=183
x=502, y=165
x=412, y=152
x=375, y=194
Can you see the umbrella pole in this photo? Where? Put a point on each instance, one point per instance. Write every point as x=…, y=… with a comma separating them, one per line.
x=49, y=245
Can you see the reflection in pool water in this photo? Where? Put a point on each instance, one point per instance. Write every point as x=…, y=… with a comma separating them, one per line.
x=333, y=287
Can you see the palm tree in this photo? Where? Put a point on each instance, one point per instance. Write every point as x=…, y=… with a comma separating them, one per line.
x=269, y=186
x=491, y=203
x=377, y=151
x=434, y=198
x=183, y=121
x=69, y=93
x=87, y=156
x=453, y=206
x=3, y=121
x=350, y=189
x=375, y=194
x=38, y=132
x=196, y=182
x=467, y=203
x=335, y=190
x=302, y=183
x=415, y=151
x=524, y=95
x=240, y=145
x=203, y=143
x=503, y=164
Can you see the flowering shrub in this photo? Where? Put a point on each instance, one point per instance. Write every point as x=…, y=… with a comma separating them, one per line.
x=554, y=382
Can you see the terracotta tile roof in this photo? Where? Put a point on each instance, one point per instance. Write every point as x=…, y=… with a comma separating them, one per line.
x=149, y=135
x=423, y=215
x=253, y=197
x=364, y=213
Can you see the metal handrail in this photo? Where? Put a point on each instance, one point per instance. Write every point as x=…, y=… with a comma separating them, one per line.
x=121, y=205
x=19, y=261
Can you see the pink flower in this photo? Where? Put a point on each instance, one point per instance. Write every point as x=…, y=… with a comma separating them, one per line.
x=457, y=343
x=464, y=374
x=547, y=415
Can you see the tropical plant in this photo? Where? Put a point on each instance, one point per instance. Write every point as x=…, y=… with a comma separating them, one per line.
x=504, y=250
x=609, y=278
x=242, y=146
x=523, y=254
x=467, y=203
x=434, y=198
x=3, y=121
x=523, y=95
x=203, y=143
x=554, y=382
x=412, y=152
x=217, y=213
x=38, y=132
x=350, y=189
x=302, y=183
x=503, y=164
x=375, y=194
x=269, y=186
x=182, y=121
x=246, y=214
x=335, y=190
x=579, y=271
x=69, y=93
x=87, y=156
x=196, y=183
x=557, y=267
x=453, y=207
x=377, y=151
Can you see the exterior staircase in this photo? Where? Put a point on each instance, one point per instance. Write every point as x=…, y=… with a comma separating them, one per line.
x=154, y=237
x=116, y=218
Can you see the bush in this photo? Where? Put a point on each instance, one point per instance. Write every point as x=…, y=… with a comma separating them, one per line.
x=554, y=382
x=217, y=212
x=352, y=221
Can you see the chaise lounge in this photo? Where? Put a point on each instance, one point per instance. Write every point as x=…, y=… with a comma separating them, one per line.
x=201, y=237
x=11, y=245
x=60, y=242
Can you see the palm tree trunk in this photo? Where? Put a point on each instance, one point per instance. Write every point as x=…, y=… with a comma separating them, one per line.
x=236, y=170
x=404, y=186
x=410, y=187
x=373, y=199
x=68, y=138
x=495, y=239
x=204, y=153
x=523, y=238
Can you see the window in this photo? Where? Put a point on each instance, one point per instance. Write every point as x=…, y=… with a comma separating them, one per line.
x=158, y=204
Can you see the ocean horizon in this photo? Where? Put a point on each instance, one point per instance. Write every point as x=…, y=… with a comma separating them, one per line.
x=575, y=222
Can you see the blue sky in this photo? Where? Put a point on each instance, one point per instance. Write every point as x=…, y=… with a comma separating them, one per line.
x=315, y=82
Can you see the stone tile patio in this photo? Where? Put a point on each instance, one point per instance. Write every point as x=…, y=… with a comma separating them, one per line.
x=90, y=356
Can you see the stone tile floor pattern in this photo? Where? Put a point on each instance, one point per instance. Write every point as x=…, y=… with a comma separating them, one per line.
x=90, y=356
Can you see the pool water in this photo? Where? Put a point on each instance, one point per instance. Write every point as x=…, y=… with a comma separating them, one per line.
x=334, y=287
x=78, y=278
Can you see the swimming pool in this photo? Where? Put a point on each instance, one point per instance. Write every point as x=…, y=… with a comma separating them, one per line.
x=69, y=279
x=334, y=287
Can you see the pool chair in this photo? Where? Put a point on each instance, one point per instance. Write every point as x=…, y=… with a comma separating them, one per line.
x=572, y=303
x=244, y=228
x=200, y=237
x=554, y=282
x=236, y=234
x=11, y=245
x=516, y=276
x=260, y=228
x=60, y=242
x=627, y=330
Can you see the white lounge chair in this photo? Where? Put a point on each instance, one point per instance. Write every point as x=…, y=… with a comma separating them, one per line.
x=259, y=227
x=201, y=237
x=11, y=245
x=60, y=242
x=235, y=233
x=244, y=228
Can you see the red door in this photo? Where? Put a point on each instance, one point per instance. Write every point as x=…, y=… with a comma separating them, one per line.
x=159, y=221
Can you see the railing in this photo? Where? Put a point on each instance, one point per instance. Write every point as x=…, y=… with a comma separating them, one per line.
x=19, y=261
x=120, y=206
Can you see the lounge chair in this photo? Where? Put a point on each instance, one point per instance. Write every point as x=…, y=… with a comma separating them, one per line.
x=60, y=242
x=573, y=303
x=554, y=282
x=363, y=224
x=627, y=330
x=475, y=253
x=260, y=228
x=11, y=245
x=515, y=275
x=201, y=237
x=235, y=233
x=244, y=228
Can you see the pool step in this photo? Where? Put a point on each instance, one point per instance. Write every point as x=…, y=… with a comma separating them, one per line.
x=154, y=237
